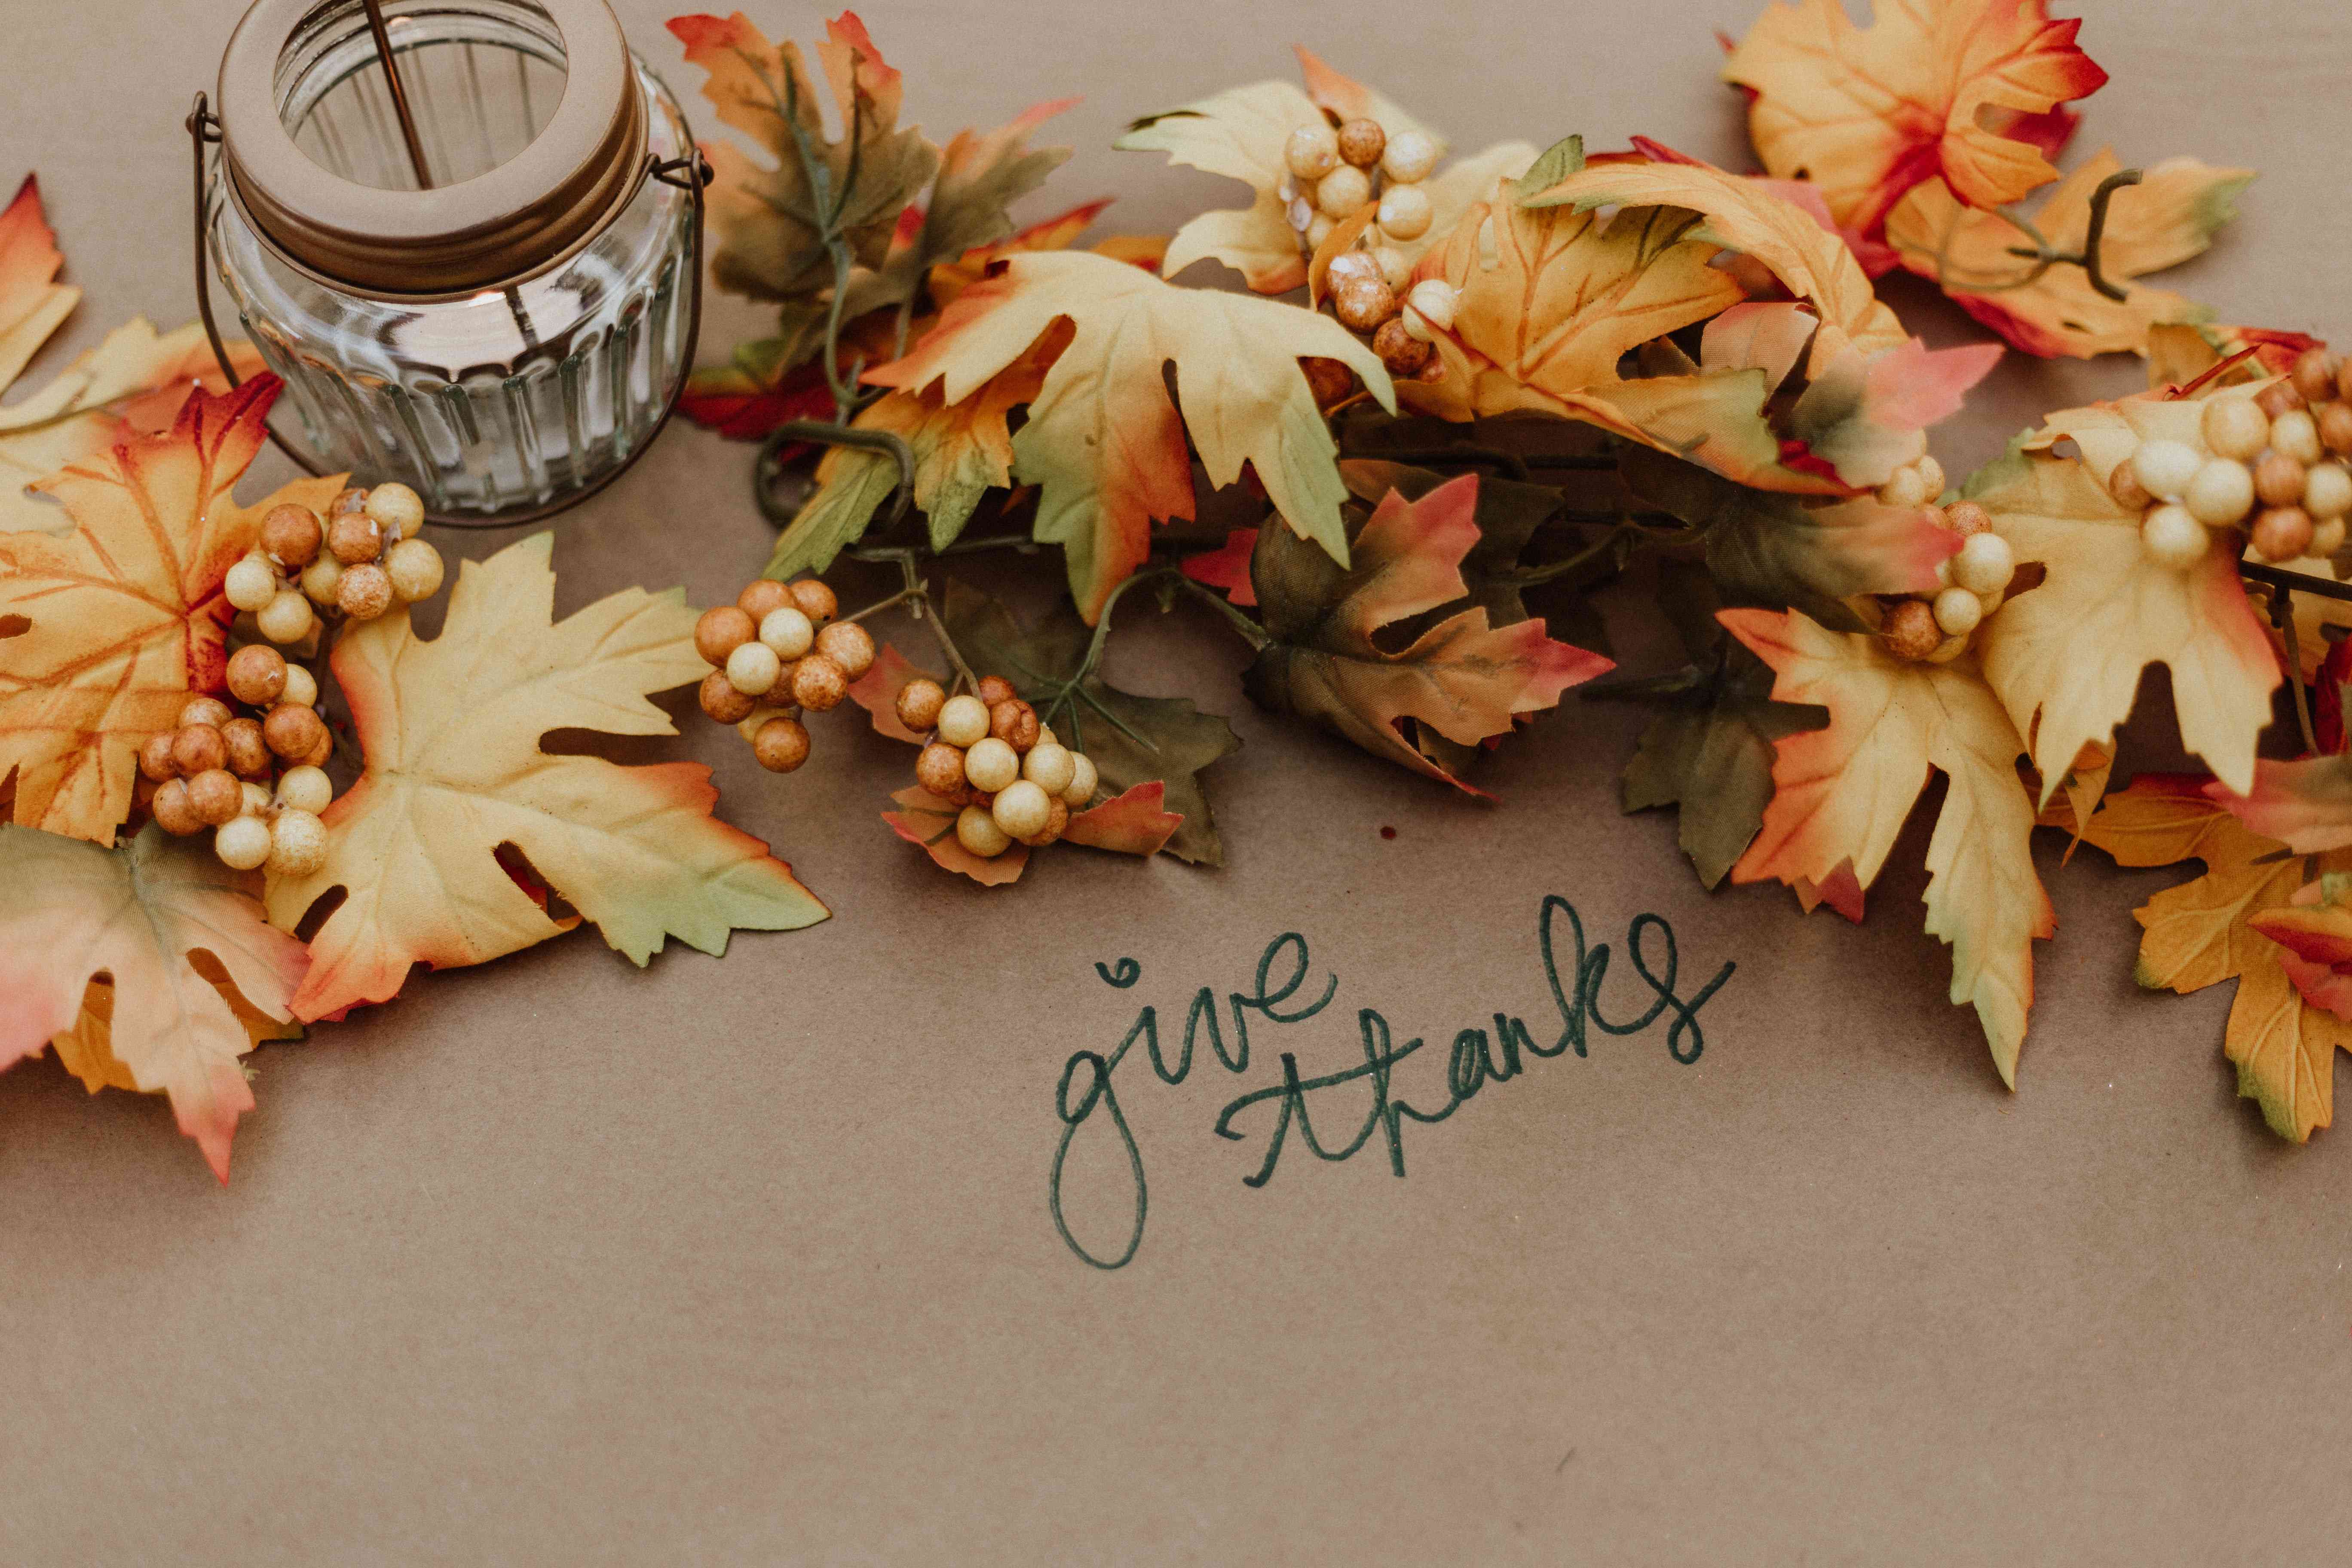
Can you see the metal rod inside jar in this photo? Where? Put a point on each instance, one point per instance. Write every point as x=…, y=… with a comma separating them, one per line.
x=399, y=92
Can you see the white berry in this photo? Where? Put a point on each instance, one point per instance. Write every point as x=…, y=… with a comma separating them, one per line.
x=1405, y=212
x=322, y=580
x=1395, y=265
x=2170, y=536
x=2296, y=434
x=1906, y=490
x=977, y=831
x=1050, y=768
x=1958, y=611
x=1409, y=157
x=416, y=570
x=2164, y=468
x=242, y=842
x=305, y=788
x=302, y=686
x=1022, y=809
x=1984, y=563
x=2234, y=427
x=286, y=618
x=2221, y=494
x=2326, y=539
x=2327, y=492
x=255, y=802
x=991, y=764
x=1931, y=476
x=1432, y=301
x=753, y=669
x=1342, y=191
x=1312, y=152
x=963, y=718
x=298, y=844
x=396, y=508
x=1084, y=781
x=251, y=584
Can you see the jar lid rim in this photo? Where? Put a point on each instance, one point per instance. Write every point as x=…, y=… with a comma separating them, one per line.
x=502, y=224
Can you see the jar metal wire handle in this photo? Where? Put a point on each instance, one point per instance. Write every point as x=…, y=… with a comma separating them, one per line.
x=691, y=174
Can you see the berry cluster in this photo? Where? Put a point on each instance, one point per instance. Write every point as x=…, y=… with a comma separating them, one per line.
x=1936, y=627
x=2277, y=457
x=1330, y=175
x=989, y=754
x=776, y=651
x=214, y=770
x=371, y=561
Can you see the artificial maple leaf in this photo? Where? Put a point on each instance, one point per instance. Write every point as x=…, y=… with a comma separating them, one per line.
x=928, y=823
x=2314, y=937
x=1465, y=679
x=1553, y=293
x=1133, y=740
x=450, y=728
x=122, y=618
x=1741, y=215
x=141, y=915
x=2171, y=215
x=1551, y=298
x=1842, y=794
x=2066, y=657
x=1510, y=514
x=1781, y=552
x=2203, y=932
x=1710, y=754
x=960, y=450
x=2306, y=805
x=1104, y=439
x=1242, y=132
x=1948, y=87
x=2185, y=353
x=1227, y=566
x=136, y=377
x=32, y=302
x=771, y=222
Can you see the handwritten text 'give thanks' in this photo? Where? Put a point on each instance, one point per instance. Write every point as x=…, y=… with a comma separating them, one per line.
x=1479, y=1057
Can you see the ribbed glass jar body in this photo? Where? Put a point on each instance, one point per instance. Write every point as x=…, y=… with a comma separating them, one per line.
x=505, y=399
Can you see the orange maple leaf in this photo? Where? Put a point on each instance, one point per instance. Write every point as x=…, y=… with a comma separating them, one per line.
x=2213, y=929
x=1462, y=677
x=1960, y=88
x=115, y=623
x=2170, y=216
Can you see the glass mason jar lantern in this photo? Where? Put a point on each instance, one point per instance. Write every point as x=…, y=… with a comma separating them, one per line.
x=465, y=233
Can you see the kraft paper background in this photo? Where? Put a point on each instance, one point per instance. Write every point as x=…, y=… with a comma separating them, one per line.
x=559, y=1261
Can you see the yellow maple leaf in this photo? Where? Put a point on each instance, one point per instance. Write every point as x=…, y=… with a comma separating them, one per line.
x=123, y=617
x=1749, y=217
x=1929, y=88
x=181, y=940
x=2202, y=933
x=137, y=375
x=1105, y=441
x=1242, y=132
x=1842, y=795
x=1551, y=298
x=2066, y=657
x=2171, y=215
x=451, y=728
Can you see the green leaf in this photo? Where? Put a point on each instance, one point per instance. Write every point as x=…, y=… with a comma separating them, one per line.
x=1561, y=159
x=837, y=515
x=1711, y=754
x=1132, y=740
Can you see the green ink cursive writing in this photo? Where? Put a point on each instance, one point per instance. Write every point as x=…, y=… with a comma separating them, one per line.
x=1477, y=1057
